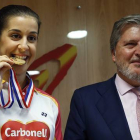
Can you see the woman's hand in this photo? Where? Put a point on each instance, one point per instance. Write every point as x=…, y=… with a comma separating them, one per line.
x=5, y=64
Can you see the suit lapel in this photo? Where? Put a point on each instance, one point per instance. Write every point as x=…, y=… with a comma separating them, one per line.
x=111, y=110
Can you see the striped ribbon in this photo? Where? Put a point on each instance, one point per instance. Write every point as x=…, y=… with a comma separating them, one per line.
x=15, y=89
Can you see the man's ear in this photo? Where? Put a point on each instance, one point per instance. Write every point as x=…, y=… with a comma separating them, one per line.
x=113, y=55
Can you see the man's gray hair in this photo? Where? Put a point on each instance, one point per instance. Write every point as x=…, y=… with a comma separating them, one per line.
x=119, y=26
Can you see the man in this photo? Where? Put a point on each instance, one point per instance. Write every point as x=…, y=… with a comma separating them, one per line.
x=108, y=110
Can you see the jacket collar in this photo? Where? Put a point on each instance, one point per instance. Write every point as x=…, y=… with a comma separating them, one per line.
x=111, y=109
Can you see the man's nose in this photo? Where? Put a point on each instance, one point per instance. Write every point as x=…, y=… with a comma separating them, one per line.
x=137, y=51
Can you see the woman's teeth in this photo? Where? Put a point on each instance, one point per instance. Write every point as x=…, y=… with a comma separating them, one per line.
x=20, y=57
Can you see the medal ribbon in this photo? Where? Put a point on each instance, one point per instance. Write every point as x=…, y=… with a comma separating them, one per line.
x=15, y=89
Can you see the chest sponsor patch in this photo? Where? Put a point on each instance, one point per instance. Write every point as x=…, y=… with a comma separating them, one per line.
x=15, y=130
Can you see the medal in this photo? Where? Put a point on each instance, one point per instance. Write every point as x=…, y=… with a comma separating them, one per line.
x=15, y=89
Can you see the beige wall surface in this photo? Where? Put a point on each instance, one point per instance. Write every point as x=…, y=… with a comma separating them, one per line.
x=93, y=62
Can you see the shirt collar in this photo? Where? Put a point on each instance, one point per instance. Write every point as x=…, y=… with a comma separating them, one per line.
x=122, y=86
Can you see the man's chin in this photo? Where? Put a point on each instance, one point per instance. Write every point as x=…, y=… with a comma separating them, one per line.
x=135, y=76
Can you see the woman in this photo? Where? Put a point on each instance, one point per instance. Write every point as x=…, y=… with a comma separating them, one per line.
x=26, y=112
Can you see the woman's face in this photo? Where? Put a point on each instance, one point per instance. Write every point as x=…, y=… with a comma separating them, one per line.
x=19, y=39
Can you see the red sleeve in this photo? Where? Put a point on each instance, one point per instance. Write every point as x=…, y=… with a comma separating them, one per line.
x=58, y=132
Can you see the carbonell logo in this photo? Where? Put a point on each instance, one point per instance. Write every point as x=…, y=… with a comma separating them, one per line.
x=14, y=133
x=15, y=130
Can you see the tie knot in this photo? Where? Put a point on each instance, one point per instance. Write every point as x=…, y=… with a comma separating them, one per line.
x=136, y=91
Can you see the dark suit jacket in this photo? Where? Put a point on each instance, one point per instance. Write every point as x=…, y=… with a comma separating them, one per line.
x=96, y=113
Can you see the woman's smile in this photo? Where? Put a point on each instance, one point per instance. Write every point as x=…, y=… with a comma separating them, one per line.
x=19, y=40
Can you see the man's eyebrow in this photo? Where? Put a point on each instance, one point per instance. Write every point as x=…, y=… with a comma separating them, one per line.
x=127, y=41
x=16, y=30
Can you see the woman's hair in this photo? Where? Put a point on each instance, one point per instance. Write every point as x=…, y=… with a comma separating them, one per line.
x=119, y=26
x=16, y=10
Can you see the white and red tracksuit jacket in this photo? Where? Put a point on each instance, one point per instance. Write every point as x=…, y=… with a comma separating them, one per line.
x=41, y=121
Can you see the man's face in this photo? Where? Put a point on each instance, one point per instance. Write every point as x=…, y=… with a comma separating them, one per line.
x=127, y=55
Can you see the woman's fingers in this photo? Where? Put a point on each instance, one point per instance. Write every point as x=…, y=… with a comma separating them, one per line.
x=5, y=64
x=5, y=58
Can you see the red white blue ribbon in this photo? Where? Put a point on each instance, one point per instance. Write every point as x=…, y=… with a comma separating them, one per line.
x=15, y=89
